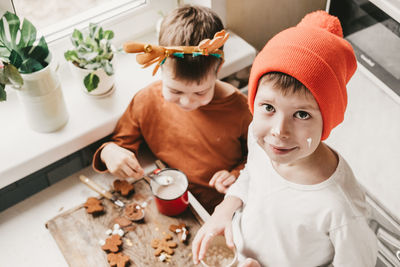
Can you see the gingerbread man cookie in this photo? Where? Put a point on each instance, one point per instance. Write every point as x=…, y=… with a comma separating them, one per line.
x=163, y=245
x=112, y=243
x=93, y=205
x=118, y=259
x=123, y=187
x=181, y=230
x=134, y=212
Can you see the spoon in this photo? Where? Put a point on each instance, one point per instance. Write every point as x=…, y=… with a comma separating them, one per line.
x=163, y=180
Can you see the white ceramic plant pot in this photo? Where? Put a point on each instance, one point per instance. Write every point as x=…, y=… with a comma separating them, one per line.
x=105, y=85
x=43, y=101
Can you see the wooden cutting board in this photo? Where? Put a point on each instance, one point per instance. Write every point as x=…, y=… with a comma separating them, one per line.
x=78, y=233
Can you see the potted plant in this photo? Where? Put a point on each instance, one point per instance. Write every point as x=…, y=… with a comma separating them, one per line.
x=27, y=65
x=91, y=59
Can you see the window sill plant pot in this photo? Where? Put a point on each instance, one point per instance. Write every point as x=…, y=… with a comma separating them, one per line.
x=28, y=67
x=104, y=86
x=42, y=99
x=91, y=60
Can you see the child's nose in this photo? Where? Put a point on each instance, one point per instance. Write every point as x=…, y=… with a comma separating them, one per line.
x=184, y=100
x=187, y=101
x=281, y=128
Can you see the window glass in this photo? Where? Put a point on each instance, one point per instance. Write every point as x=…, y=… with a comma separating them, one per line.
x=46, y=12
x=53, y=16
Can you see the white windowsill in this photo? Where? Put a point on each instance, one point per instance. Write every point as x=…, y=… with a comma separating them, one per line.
x=24, y=151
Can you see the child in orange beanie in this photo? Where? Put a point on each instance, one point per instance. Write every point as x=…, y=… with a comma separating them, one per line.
x=297, y=202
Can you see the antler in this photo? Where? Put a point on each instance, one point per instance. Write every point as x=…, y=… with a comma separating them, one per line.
x=211, y=45
x=156, y=53
x=152, y=53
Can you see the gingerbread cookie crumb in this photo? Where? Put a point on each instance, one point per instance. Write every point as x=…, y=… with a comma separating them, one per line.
x=180, y=230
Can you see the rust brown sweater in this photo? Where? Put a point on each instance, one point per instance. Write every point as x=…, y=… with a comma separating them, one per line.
x=199, y=142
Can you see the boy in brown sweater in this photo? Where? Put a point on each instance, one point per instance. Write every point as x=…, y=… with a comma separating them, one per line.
x=190, y=120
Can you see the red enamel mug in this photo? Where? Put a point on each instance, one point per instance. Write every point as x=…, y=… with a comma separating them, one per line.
x=171, y=199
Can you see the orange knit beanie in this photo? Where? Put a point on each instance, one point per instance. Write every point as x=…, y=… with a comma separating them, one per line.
x=315, y=53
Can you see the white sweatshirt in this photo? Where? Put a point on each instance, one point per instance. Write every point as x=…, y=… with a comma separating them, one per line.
x=287, y=224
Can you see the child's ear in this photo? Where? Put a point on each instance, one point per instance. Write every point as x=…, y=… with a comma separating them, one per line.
x=218, y=67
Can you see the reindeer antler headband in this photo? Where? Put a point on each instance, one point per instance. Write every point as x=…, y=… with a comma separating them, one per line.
x=158, y=54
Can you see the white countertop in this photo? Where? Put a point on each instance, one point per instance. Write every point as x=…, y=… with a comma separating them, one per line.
x=23, y=151
x=25, y=241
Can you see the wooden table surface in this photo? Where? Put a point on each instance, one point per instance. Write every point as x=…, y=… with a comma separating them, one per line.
x=22, y=227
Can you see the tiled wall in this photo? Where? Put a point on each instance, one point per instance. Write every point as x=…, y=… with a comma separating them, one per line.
x=47, y=176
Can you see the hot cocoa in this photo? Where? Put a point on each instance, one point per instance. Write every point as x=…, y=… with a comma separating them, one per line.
x=173, y=190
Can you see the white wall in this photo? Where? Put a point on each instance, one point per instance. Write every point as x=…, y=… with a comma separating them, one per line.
x=369, y=139
x=257, y=21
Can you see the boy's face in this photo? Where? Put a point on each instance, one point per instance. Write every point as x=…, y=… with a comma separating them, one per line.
x=287, y=127
x=188, y=95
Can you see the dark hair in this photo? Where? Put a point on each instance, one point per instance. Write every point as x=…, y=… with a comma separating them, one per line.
x=286, y=83
x=188, y=26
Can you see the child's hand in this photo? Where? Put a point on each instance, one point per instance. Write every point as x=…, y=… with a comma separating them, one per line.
x=250, y=263
x=222, y=180
x=219, y=223
x=121, y=162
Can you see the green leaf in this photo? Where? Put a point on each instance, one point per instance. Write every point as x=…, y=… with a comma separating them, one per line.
x=107, y=67
x=13, y=75
x=28, y=34
x=89, y=42
x=38, y=52
x=71, y=55
x=4, y=54
x=30, y=65
x=13, y=25
x=88, y=56
x=93, y=66
x=3, y=94
x=83, y=48
x=108, y=35
x=3, y=37
x=99, y=34
x=91, y=81
x=92, y=30
x=15, y=59
x=3, y=78
x=76, y=38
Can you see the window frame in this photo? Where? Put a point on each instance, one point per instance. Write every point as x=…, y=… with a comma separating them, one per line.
x=118, y=17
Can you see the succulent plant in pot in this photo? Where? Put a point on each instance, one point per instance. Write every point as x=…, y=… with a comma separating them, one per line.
x=91, y=59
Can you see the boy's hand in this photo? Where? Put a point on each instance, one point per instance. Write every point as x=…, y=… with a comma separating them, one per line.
x=250, y=263
x=219, y=223
x=121, y=162
x=222, y=180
